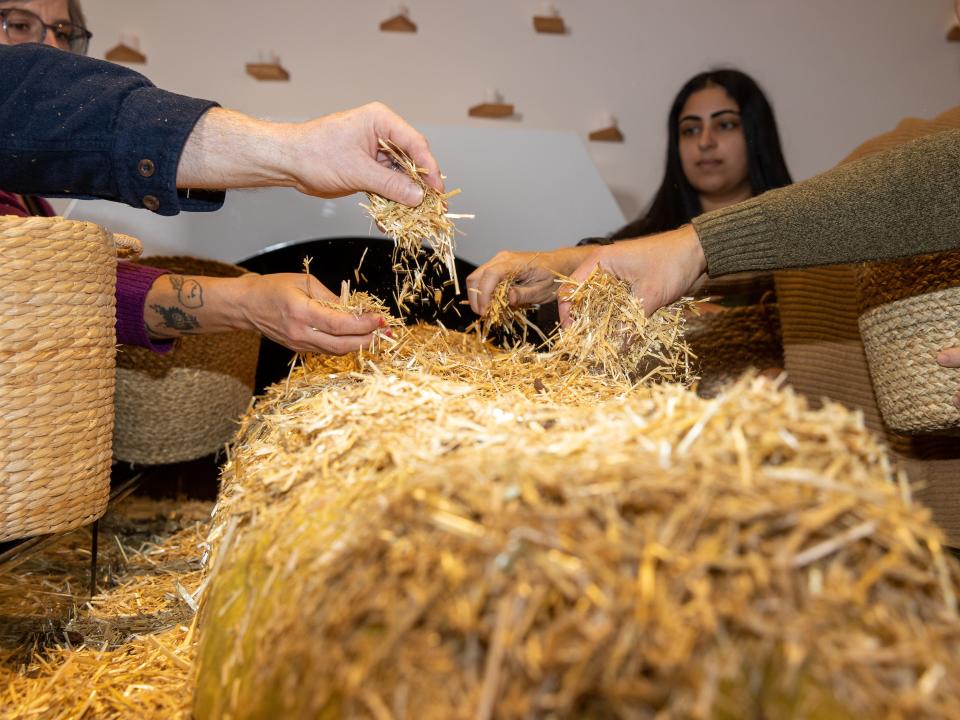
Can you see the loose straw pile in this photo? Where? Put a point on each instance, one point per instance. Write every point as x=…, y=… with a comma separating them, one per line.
x=610, y=333
x=126, y=653
x=395, y=541
x=412, y=228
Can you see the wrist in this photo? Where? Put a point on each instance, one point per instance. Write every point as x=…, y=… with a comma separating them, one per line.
x=237, y=299
x=228, y=149
x=569, y=259
x=695, y=260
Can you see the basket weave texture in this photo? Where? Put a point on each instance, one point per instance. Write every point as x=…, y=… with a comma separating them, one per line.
x=730, y=342
x=909, y=311
x=57, y=349
x=184, y=404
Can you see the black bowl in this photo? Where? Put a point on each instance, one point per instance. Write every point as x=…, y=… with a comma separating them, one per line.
x=335, y=260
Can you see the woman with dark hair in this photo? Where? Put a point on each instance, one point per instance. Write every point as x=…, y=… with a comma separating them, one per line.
x=723, y=147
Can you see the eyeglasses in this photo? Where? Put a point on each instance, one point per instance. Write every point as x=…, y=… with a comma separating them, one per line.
x=23, y=26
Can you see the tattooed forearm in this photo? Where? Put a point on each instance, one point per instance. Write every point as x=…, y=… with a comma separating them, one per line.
x=176, y=319
x=189, y=291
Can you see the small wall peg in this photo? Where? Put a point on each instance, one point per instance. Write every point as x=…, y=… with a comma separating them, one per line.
x=492, y=107
x=400, y=22
x=127, y=51
x=272, y=70
x=549, y=21
x=608, y=130
x=953, y=35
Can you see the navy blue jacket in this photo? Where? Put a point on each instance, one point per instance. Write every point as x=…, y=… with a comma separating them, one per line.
x=72, y=126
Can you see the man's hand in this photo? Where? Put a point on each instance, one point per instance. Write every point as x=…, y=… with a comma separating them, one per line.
x=535, y=276
x=282, y=306
x=950, y=357
x=660, y=268
x=328, y=157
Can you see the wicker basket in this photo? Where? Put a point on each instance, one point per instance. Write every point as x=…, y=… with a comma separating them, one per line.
x=909, y=311
x=184, y=404
x=57, y=348
x=730, y=342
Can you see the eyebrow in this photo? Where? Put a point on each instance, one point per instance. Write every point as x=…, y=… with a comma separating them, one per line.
x=713, y=115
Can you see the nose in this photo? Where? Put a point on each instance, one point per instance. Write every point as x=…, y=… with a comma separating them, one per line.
x=707, y=140
x=49, y=38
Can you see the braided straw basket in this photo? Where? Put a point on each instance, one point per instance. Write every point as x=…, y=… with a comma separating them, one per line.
x=729, y=343
x=57, y=348
x=184, y=404
x=909, y=311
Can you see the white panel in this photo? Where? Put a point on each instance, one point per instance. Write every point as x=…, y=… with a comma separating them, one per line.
x=529, y=190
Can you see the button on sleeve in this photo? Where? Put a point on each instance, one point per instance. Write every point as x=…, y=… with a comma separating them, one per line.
x=151, y=132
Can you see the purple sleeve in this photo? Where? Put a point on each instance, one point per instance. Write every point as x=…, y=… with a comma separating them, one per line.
x=133, y=282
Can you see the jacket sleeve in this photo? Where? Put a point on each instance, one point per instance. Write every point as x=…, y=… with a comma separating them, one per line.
x=72, y=126
x=892, y=204
x=133, y=284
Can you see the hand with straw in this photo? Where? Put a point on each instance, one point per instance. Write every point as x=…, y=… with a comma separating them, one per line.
x=293, y=309
x=331, y=156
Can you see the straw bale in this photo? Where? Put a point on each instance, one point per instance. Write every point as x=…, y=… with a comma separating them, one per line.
x=425, y=532
x=128, y=651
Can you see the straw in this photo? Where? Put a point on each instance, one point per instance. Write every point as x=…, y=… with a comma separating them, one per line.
x=424, y=533
x=413, y=228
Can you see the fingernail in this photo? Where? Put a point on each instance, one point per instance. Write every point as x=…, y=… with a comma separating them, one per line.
x=415, y=195
x=941, y=358
x=388, y=333
x=382, y=322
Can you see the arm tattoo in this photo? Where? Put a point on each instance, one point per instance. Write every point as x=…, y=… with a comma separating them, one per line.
x=189, y=291
x=176, y=319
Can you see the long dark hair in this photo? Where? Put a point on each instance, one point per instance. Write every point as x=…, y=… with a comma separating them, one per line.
x=676, y=202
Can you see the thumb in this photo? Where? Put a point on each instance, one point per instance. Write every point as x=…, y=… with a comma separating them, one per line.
x=949, y=357
x=524, y=296
x=393, y=185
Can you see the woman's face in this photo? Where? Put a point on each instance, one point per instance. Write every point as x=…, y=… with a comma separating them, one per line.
x=50, y=11
x=713, y=150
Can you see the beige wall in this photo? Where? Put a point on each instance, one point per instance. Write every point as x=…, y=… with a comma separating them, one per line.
x=838, y=71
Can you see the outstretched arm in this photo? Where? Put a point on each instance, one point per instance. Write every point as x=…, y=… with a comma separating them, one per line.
x=284, y=307
x=79, y=127
x=893, y=204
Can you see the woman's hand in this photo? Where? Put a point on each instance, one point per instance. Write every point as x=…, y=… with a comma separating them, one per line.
x=535, y=276
x=950, y=357
x=281, y=306
x=660, y=268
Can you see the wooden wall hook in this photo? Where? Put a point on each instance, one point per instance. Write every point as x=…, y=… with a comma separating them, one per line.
x=398, y=23
x=954, y=34
x=125, y=54
x=549, y=24
x=267, y=71
x=607, y=134
x=491, y=110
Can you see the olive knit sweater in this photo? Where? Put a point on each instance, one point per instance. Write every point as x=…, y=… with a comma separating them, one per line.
x=899, y=202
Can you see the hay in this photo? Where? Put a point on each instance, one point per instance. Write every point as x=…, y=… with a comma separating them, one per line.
x=128, y=651
x=413, y=228
x=512, y=323
x=402, y=537
x=610, y=333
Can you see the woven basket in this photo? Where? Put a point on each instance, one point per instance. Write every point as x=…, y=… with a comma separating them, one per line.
x=730, y=342
x=909, y=311
x=57, y=348
x=184, y=404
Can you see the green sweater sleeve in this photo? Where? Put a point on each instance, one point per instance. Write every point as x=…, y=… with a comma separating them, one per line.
x=904, y=201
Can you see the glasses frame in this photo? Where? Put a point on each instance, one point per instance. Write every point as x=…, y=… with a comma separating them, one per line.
x=79, y=39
